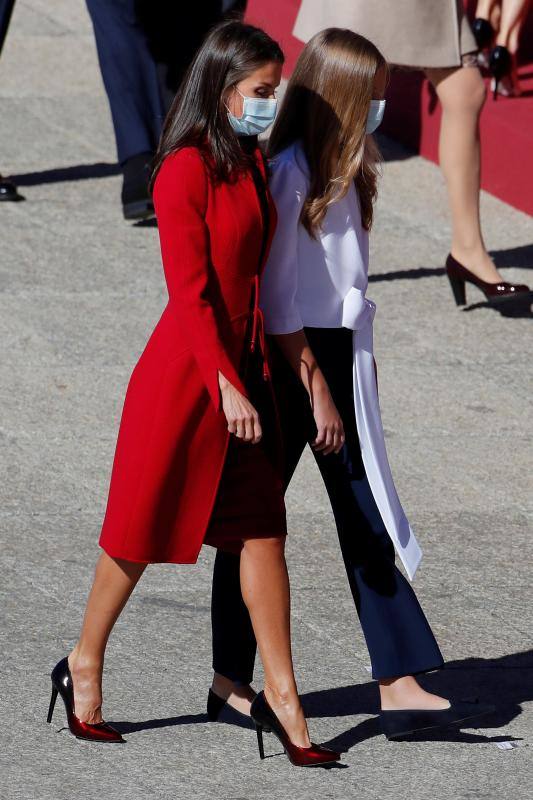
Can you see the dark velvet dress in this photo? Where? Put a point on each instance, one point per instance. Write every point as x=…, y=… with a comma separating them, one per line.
x=249, y=503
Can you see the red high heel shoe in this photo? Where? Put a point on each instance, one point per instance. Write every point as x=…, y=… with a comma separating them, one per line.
x=266, y=720
x=62, y=684
x=496, y=293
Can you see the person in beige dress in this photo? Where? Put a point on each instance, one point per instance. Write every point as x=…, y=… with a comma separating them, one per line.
x=435, y=37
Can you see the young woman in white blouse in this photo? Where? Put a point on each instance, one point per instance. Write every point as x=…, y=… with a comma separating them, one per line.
x=323, y=180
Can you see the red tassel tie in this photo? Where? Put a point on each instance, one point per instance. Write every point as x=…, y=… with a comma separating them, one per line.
x=258, y=330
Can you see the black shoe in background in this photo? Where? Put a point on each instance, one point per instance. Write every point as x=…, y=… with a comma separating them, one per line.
x=136, y=199
x=8, y=191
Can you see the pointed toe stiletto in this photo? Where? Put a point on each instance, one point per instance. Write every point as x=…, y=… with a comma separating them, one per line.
x=266, y=720
x=496, y=293
x=395, y=724
x=62, y=684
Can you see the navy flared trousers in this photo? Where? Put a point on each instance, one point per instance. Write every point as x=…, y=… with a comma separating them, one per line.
x=398, y=636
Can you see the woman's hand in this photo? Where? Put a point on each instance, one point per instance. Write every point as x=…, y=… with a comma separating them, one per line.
x=242, y=418
x=330, y=436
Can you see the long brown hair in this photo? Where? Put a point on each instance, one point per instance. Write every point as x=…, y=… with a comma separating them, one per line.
x=326, y=106
x=198, y=116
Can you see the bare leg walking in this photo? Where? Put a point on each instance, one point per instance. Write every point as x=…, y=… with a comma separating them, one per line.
x=265, y=590
x=114, y=581
x=461, y=92
x=512, y=16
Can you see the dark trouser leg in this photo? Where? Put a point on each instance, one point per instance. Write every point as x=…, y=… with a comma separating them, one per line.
x=130, y=76
x=6, y=9
x=234, y=645
x=397, y=633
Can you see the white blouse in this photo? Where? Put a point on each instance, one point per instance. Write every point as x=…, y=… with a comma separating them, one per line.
x=321, y=283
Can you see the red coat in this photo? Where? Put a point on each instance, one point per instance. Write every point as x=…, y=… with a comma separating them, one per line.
x=173, y=434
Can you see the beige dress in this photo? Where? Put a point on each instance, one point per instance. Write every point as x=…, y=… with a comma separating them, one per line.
x=415, y=33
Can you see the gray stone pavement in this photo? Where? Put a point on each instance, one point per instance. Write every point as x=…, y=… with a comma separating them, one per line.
x=80, y=292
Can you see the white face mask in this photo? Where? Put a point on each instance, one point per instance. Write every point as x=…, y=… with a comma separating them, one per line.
x=258, y=114
x=375, y=115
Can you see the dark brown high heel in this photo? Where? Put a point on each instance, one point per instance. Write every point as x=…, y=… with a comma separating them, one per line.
x=266, y=720
x=62, y=684
x=496, y=293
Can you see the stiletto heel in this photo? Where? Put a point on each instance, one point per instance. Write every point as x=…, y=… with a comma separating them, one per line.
x=500, y=65
x=266, y=720
x=52, y=704
x=483, y=32
x=496, y=293
x=458, y=289
x=62, y=684
x=259, y=731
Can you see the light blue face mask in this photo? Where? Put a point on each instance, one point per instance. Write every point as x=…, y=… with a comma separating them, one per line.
x=375, y=115
x=257, y=115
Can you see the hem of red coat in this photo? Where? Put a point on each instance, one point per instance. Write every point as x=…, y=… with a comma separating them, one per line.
x=152, y=560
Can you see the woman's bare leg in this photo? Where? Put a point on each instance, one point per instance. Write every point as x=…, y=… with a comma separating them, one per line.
x=236, y=695
x=461, y=92
x=484, y=8
x=512, y=17
x=406, y=693
x=114, y=581
x=265, y=590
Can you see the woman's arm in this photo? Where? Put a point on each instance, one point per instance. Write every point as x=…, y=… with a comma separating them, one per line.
x=180, y=200
x=330, y=430
x=278, y=301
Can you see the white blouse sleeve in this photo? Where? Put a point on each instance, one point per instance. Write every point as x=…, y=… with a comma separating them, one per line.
x=280, y=275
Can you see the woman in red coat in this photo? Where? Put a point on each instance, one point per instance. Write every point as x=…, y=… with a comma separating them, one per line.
x=198, y=455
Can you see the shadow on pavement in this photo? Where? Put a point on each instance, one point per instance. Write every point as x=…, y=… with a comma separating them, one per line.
x=77, y=172
x=518, y=309
x=499, y=680
x=165, y=722
x=521, y=256
x=407, y=274
x=502, y=681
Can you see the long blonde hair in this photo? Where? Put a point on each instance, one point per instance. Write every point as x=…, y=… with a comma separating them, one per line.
x=326, y=106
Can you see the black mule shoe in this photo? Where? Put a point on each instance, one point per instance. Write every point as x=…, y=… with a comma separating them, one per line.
x=220, y=710
x=402, y=723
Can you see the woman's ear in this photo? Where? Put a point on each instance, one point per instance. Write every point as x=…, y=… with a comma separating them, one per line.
x=232, y=100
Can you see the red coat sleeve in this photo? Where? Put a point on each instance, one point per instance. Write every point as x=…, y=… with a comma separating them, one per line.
x=180, y=200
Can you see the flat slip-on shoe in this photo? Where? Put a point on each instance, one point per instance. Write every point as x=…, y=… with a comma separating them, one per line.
x=402, y=723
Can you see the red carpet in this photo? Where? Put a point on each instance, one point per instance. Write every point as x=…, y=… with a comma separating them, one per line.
x=413, y=115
